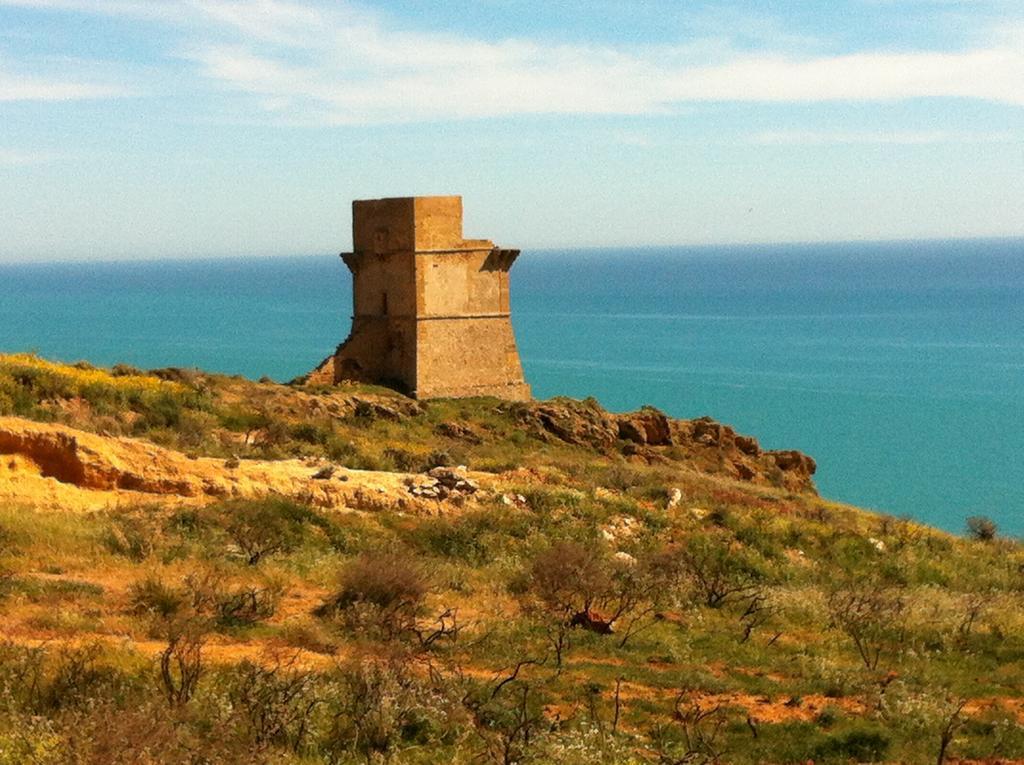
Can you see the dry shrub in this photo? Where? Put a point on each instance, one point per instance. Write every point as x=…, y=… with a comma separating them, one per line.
x=574, y=585
x=154, y=597
x=384, y=596
x=719, y=570
x=508, y=718
x=277, y=702
x=45, y=681
x=873, y=616
x=982, y=528
x=696, y=734
x=146, y=734
x=385, y=592
x=206, y=596
x=264, y=527
x=232, y=605
x=134, y=534
x=181, y=662
x=309, y=636
x=569, y=578
x=22, y=674
x=385, y=705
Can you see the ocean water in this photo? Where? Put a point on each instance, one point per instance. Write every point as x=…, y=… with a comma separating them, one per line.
x=898, y=366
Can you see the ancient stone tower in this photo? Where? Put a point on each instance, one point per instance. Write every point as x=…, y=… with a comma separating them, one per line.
x=431, y=309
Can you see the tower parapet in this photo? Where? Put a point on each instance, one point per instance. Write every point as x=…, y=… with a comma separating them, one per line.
x=431, y=310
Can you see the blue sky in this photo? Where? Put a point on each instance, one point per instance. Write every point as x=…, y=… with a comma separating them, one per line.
x=149, y=128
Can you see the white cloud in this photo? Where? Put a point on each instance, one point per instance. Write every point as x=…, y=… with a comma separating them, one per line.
x=898, y=137
x=14, y=87
x=158, y=10
x=336, y=67
x=517, y=78
x=333, y=64
x=16, y=158
x=991, y=75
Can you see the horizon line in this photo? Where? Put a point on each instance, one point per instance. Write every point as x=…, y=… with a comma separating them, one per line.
x=801, y=243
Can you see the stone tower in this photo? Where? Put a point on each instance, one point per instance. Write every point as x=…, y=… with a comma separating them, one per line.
x=431, y=309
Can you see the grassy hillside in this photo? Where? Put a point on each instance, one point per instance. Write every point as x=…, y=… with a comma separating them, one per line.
x=611, y=602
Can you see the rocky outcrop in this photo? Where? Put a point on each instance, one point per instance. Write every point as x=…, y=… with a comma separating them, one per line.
x=339, y=402
x=582, y=423
x=794, y=462
x=88, y=461
x=458, y=431
x=649, y=434
x=647, y=426
x=443, y=483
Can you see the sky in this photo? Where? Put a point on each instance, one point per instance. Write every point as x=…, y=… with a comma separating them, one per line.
x=195, y=128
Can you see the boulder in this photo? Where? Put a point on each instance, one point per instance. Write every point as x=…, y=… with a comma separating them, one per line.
x=458, y=431
x=624, y=558
x=675, y=496
x=646, y=426
x=748, y=445
x=583, y=423
x=442, y=483
x=790, y=460
x=711, y=433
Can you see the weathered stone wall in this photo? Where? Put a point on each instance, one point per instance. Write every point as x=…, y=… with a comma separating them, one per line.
x=468, y=358
x=431, y=309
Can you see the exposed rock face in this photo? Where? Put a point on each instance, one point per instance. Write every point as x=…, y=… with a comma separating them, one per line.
x=649, y=434
x=583, y=423
x=458, y=431
x=647, y=426
x=794, y=462
x=88, y=461
x=42, y=463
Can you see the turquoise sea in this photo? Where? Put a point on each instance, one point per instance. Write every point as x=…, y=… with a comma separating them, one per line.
x=898, y=366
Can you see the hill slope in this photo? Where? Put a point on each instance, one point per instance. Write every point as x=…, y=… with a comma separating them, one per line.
x=198, y=568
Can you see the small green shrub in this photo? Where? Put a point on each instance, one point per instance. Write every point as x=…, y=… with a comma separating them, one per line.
x=134, y=534
x=264, y=527
x=982, y=528
x=309, y=433
x=719, y=570
x=338, y=449
x=152, y=596
x=857, y=745
x=401, y=460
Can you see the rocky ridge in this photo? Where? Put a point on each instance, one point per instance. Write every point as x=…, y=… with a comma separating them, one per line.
x=650, y=435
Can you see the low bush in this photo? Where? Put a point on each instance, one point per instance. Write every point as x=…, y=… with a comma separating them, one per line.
x=135, y=533
x=720, y=570
x=232, y=604
x=153, y=597
x=277, y=703
x=982, y=528
x=475, y=537
x=873, y=616
x=857, y=745
x=383, y=595
x=384, y=707
x=265, y=527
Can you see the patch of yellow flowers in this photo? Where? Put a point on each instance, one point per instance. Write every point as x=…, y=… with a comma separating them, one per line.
x=83, y=376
